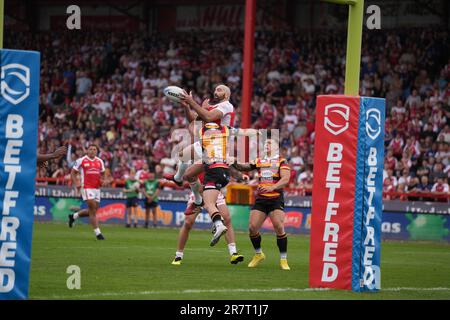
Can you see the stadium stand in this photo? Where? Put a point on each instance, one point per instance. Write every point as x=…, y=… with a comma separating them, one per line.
x=106, y=88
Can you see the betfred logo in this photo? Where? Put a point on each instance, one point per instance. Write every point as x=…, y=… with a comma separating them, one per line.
x=373, y=123
x=336, y=118
x=15, y=82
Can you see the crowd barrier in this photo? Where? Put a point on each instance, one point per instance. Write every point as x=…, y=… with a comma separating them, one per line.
x=401, y=220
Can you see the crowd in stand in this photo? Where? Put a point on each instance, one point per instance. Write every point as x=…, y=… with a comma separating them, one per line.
x=107, y=88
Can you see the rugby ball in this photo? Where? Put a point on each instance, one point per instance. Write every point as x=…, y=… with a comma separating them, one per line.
x=173, y=93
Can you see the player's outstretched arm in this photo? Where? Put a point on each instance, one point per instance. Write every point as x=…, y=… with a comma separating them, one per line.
x=58, y=153
x=242, y=167
x=190, y=114
x=238, y=175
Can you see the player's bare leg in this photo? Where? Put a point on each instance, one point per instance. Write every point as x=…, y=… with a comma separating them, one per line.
x=210, y=198
x=257, y=218
x=229, y=235
x=185, y=157
x=92, y=209
x=79, y=214
x=191, y=176
x=277, y=218
x=183, y=237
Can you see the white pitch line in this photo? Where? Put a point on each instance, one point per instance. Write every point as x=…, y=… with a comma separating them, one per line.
x=200, y=291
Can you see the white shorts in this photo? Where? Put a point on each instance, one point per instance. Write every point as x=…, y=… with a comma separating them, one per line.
x=90, y=194
x=220, y=199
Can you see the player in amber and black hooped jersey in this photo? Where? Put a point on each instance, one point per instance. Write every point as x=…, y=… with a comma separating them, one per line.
x=90, y=169
x=219, y=111
x=273, y=174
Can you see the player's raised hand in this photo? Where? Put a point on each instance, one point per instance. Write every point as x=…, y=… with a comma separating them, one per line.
x=187, y=98
x=205, y=104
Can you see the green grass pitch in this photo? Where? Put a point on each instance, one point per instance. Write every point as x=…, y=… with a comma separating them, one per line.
x=135, y=264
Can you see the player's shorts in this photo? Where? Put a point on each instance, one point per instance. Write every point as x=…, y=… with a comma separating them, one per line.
x=216, y=178
x=269, y=205
x=220, y=199
x=90, y=194
x=151, y=204
x=132, y=202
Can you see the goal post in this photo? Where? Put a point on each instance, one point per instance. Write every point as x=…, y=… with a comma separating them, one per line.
x=354, y=39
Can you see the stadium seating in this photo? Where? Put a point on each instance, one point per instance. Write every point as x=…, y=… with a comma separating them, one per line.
x=107, y=88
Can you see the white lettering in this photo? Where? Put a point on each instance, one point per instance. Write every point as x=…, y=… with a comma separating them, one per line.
x=74, y=20
x=12, y=149
x=368, y=255
x=8, y=201
x=7, y=250
x=7, y=279
x=326, y=276
x=330, y=210
x=374, y=20
x=370, y=215
x=331, y=229
x=12, y=170
x=14, y=126
x=370, y=236
x=371, y=176
x=335, y=152
x=329, y=252
x=9, y=226
x=333, y=172
x=332, y=192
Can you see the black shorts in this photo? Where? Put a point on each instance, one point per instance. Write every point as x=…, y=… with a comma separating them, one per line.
x=132, y=202
x=216, y=178
x=151, y=204
x=269, y=205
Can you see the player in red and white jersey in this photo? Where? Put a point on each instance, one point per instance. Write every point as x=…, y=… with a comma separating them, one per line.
x=220, y=112
x=90, y=169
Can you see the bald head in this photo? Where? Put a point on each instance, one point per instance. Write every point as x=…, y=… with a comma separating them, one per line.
x=222, y=92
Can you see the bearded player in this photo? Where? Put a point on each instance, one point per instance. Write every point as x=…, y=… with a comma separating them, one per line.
x=90, y=169
x=274, y=174
x=220, y=111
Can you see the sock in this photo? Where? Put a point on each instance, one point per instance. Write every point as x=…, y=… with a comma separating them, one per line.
x=282, y=245
x=256, y=242
x=195, y=187
x=97, y=231
x=232, y=248
x=217, y=219
x=179, y=254
x=76, y=215
x=181, y=169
